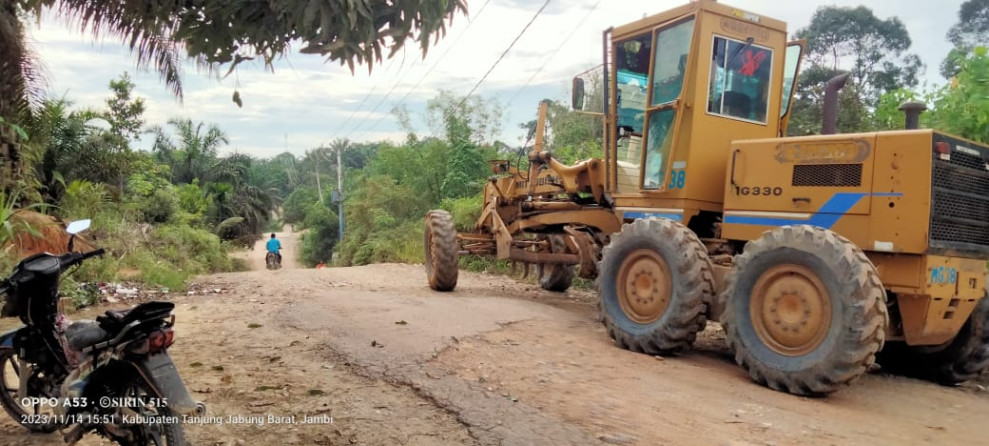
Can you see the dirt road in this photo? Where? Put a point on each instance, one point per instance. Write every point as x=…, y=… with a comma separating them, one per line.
x=497, y=362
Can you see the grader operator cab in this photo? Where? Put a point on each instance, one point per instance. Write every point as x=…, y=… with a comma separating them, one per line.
x=815, y=253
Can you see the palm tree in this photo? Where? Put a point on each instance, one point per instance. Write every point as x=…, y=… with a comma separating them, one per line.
x=246, y=191
x=192, y=154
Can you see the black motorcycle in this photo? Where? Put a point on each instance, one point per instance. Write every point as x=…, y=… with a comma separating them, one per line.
x=112, y=376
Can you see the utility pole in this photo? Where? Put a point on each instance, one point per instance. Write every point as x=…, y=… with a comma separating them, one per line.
x=340, y=192
x=319, y=189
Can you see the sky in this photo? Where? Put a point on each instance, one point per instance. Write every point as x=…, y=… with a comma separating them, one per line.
x=308, y=101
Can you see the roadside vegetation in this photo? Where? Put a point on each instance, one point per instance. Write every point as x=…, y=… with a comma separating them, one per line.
x=163, y=215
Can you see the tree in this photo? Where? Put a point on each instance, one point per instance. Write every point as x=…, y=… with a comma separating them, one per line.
x=318, y=243
x=876, y=48
x=71, y=149
x=124, y=112
x=192, y=152
x=807, y=113
x=962, y=107
x=466, y=124
x=252, y=196
x=297, y=203
x=20, y=81
x=572, y=136
x=971, y=30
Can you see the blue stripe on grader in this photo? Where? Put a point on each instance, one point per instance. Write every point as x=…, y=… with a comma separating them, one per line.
x=825, y=217
x=637, y=215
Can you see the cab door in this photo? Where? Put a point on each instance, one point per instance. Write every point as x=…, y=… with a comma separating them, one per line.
x=671, y=46
x=791, y=72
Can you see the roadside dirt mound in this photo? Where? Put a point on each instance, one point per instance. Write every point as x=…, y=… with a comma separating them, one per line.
x=51, y=236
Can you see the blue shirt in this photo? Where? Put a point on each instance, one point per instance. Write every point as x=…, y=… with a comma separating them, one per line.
x=274, y=245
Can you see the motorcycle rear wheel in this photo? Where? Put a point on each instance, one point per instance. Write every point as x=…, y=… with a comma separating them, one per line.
x=155, y=433
x=9, y=382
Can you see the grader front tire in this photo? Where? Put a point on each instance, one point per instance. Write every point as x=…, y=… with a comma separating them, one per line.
x=442, y=251
x=655, y=277
x=556, y=277
x=805, y=312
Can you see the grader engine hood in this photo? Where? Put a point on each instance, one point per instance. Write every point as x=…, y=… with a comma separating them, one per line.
x=916, y=201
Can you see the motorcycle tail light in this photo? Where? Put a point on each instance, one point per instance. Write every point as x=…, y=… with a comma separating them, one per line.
x=160, y=340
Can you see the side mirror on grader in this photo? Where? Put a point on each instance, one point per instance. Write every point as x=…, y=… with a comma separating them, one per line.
x=819, y=255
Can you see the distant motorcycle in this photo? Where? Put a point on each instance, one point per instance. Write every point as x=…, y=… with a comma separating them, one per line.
x=271, y=259
x=112, y=376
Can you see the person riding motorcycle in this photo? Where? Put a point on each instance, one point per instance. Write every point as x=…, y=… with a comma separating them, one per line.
x=274, y=246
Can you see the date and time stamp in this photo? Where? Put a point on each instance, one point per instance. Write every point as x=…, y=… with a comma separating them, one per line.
x=80, y=411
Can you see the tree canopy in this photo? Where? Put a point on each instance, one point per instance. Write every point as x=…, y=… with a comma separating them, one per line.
x=876, y=47
x=971, y=30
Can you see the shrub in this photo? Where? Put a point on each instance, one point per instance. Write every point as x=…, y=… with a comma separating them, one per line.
x=193, y=250
x=83, y=199
x=160, y=207
x=297, y=204
x=465, y=211
x=318, y=242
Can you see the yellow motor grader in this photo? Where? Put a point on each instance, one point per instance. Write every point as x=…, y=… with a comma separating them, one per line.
x=552, y=215
x=817, y=254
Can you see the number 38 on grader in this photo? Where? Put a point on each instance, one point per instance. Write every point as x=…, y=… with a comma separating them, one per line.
x=817, y=254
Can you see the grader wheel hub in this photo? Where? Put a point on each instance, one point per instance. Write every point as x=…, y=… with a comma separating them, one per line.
x=791, y=310
x=645, y=286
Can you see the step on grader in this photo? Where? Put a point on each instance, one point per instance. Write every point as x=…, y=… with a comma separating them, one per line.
x=817, y=254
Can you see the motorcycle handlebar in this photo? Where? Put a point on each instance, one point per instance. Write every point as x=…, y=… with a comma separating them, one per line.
x=74, y=258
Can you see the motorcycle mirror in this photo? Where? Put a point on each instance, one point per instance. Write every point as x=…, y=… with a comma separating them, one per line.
x=78, y=226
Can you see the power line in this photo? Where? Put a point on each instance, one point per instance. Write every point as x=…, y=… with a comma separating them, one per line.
x=504, y=53
x=442, y=56
x=363, y=101
x=557, y=50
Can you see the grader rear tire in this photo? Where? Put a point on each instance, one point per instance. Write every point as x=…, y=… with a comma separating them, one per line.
x=556, y=277
x=654, y=278
x=962, y=359
x=804, y=311
x=442, y=251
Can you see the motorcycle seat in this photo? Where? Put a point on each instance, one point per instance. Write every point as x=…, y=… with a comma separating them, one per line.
x=117, y=315
x=82, y=334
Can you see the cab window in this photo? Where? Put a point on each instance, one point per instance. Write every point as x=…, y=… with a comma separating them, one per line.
x=632, y=83
x=739, y=82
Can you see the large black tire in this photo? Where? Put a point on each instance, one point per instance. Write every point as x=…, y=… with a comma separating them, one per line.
x=654, y=278
x=8, y=389
x=962, y=359
x=819, y=286
x=556, y=277
x=442, y=251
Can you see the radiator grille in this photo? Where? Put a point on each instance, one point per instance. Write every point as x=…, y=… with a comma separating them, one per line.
x=827, y=175
x=960, y=200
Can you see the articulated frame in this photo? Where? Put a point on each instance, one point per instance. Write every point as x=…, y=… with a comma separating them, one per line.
x=521, y=213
